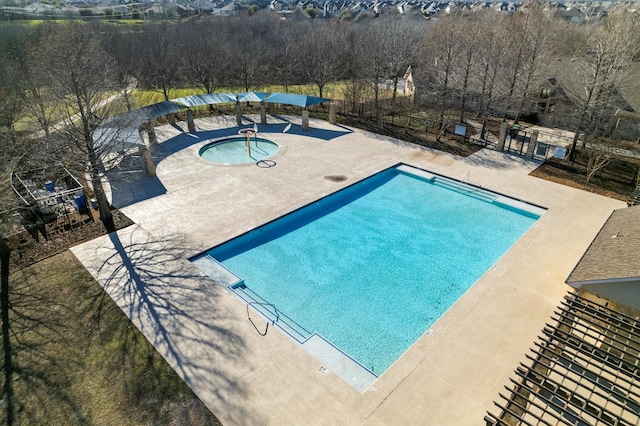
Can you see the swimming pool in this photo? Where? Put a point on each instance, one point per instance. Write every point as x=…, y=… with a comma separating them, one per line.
x=371, y=268
x=234, y=150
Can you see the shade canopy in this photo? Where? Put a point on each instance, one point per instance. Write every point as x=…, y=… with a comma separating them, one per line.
x=252, y=96
x=160, y=109
x=297, y=100
x=206, y=99
x=120, y=131
x=116, y=139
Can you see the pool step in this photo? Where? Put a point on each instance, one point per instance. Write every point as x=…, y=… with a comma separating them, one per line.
x=220, y=274
x=216, y=271
x=462, y=187
x=271, y=312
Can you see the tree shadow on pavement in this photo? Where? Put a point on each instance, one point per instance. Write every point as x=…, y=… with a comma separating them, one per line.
x=177, y=309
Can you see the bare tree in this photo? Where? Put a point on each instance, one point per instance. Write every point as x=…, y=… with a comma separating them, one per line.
x=7, y=362
x=323, y=57
x=467, y=61
x=515, y=32
x=12, y=41
x=491, y=52
x=248, y=44
x=206, y=56
x=610, y=47
x=599, y=157
x=372, y=59
x=400, y=39
x=355, y=87
x=82, y=76
x=287, y=41
x=126, y=58
x=444, y=49
x=536, y=53
x=11, y=104
x=40, y=101
x=158, y=47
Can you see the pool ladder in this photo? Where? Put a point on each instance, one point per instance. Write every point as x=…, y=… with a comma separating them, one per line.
x=275, y=311
x=466, y=178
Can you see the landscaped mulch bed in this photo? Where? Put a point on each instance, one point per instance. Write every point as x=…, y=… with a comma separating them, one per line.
x=25, y=250
x=617, y=180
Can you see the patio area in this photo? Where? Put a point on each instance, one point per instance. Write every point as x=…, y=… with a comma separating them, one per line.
x=450, y=376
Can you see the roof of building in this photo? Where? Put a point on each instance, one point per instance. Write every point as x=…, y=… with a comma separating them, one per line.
x=582, y=371
x=613, y=254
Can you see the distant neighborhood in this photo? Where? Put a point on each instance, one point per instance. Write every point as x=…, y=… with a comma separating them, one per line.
x=573, y=11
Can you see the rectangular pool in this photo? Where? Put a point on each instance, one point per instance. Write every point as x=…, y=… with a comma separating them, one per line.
x=372, y=267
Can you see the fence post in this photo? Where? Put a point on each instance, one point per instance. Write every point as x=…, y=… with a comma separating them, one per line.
x=504, y=127
x=190, y=124
x=151, y=131
x=149, y=166
x=263, y=113
x=238, y=114
x=532, y=144
x=332, y=113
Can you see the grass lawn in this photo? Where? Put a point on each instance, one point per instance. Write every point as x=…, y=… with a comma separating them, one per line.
x=77, y=359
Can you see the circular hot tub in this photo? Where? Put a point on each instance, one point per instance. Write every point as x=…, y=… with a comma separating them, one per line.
x=239, y=150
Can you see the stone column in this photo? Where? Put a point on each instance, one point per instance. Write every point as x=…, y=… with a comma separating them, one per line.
x=263, y=113
x=190, y=124
x=504, y=128
x=533, y=140
x=305, y=119
x=332, y=113
x=151, y=132
x=149, y=166
x=144, y=136
x=238, y=114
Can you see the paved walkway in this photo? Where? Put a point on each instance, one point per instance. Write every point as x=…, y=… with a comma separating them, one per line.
x=448, y=377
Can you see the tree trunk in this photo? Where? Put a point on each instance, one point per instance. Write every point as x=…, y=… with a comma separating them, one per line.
x=106, y=217
x=7, y=390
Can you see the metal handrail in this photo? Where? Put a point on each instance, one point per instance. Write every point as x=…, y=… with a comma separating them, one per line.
x=466, y=178
x=264, y=304
x=273, y=321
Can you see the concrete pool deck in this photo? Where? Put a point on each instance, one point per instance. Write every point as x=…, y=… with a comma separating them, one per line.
x=450, y=376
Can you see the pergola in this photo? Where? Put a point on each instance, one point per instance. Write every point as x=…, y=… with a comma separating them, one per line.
x=584, y=370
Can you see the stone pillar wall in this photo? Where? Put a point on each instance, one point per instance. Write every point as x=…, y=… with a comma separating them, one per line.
x=332, y=113
x=149, y=166
x=533, y=140
x=151, y=132
x=504, y=128
x=305, y=119
x=190, y=124
x=263, y=113
x=144, y=136
x=238, y=114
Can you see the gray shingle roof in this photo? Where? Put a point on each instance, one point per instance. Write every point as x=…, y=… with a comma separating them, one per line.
x=615, y=251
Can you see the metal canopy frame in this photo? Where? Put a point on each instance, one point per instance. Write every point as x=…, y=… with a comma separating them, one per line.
x=120, y=132
x=585, y=370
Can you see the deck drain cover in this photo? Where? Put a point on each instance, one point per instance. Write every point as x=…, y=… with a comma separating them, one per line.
x=336, y=178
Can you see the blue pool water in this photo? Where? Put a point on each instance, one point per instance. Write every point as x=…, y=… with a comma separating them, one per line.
x=234, y=150
x=372, y=267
